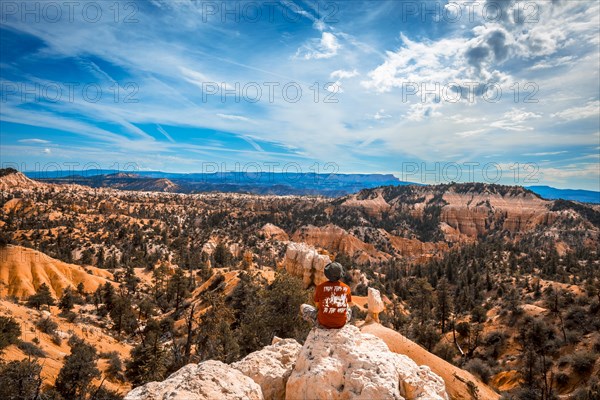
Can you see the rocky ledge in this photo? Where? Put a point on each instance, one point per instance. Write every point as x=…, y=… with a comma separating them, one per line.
x=332, y=364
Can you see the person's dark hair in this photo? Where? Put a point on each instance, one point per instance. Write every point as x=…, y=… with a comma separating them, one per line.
x=334, y=271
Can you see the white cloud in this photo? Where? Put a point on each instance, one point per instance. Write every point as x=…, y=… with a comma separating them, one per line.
x=591, y=109
x=326, y=47
x=474, y=132
x=343, y=74
x=335, y=87
x=165, y=133
x=516, y=120
x=34, y=141
x=379, y=115
x=232, y=117
x=552, y=63
x=587, y=170
x=545, y=153
x=201, y=80
x=252, y=143
x=421, y=111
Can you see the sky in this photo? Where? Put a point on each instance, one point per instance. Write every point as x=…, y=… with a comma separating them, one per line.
x=431, y=91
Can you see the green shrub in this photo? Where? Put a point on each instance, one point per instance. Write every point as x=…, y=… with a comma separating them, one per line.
x=583, y=363
x=31, y=349
x=47, y=325
x=463, y=329
x=478, y=367
x=10, y=331
x=444, y=350
x=20, y=380
x=56, y=339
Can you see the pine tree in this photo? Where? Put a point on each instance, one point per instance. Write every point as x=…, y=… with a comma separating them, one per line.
x=421, y=299
x=10, y=331
x=79, y=369
x=281, y=302
x=81, y=289
x=20, y=380
x=222, y=255
x=67, y=301
x=443, y=303
x=130, y=280
x=177, y=289
x=149, y=360
x=122, y=315
x=215, y=339
x=245, y=301
x=41, y=297
x=107, y=296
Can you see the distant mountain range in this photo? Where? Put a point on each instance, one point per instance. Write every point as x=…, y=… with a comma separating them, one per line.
x=331, y=185
x=550, y=193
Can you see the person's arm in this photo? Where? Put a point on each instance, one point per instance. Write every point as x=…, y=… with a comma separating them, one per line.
x=317, y=298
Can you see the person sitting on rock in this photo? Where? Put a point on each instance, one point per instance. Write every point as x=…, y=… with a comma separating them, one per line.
x=332, y=300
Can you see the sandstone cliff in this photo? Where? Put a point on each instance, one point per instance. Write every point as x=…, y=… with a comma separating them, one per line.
x=460, y=211
x=335, y=239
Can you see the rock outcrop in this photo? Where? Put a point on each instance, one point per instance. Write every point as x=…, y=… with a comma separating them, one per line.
x=375, y=305
x=12, y=179
x=305, y=261
x=347, y=364
x=337, y=240
x=273, y=232
x=460, y=384
x=333, y=364
x=271, y=366
x=208, y=380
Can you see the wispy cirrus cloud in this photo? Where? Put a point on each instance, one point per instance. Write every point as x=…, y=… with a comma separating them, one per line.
x=352, y=65
x=33, y=141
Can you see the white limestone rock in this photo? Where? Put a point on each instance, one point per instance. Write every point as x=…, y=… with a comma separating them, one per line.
x=271, y=366
x=374, y=300
x=208, y=380
x=305, y=261
x=375, y=303
x=346, y=364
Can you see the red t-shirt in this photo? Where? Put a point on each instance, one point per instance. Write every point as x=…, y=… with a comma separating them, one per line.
x=333, y=299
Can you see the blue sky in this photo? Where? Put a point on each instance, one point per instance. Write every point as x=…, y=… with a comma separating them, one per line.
x=431, y=91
